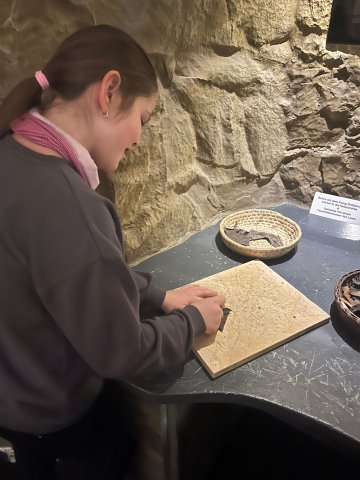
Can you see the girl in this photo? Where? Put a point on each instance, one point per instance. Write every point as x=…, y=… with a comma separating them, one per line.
x=72, y=312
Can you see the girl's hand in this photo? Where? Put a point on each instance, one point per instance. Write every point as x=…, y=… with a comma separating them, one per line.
x=211, y=309
x=182, y=296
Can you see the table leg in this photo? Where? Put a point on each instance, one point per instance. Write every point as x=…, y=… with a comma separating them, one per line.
x=149, y=461
x=170, y=440
x=156, y=433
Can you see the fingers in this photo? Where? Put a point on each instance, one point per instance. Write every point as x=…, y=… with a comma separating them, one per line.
x=200, y=291
x=220, y=300
x=211, y=309
x=190, y=294
x=205, y=292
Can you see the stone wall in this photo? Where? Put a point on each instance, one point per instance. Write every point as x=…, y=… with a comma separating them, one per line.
x=252, y=109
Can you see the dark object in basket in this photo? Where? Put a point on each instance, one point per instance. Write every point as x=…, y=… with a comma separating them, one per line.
x=347, y=300
x=244, y=237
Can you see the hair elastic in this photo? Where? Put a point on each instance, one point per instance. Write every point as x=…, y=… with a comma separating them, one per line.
x=41, y=79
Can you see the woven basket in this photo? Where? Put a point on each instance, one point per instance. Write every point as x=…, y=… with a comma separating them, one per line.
x=265, y=221
x=349, y=318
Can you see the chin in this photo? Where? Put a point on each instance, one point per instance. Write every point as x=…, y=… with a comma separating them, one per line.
x=115, y=166
x=110, y=167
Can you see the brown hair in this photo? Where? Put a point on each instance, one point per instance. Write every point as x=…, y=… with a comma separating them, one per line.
x=82, y=59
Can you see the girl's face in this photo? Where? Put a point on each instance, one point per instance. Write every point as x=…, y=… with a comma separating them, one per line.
x=119, y=132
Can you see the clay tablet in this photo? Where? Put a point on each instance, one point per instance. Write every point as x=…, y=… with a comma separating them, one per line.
x=266, y=312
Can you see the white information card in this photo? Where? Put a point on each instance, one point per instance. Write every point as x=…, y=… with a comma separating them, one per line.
x=337, y=208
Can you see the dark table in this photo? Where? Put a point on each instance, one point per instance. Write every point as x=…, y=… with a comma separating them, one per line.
x=312, y=382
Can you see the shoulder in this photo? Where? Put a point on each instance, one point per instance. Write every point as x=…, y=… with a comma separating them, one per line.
x=98, y=212
x=49, y=195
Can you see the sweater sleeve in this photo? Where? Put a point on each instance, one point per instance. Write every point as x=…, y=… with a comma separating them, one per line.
x=97, y=309
x=151, y=296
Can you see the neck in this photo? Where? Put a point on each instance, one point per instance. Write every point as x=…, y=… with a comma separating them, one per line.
x=71, y=119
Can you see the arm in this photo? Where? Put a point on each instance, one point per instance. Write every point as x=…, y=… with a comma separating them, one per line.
x=84, y=283
x=154, y=300
x=151, y=296
x=207, y=301
x=97, y=309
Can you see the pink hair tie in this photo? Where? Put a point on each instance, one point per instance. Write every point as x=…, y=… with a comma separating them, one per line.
x=41, y=79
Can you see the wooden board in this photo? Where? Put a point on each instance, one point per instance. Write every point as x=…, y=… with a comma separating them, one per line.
x=266, y=312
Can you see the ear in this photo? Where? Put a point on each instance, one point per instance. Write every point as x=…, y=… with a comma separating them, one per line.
x=109, y=84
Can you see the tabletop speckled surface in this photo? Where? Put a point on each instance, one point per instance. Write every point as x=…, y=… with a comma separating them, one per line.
x=314, y=380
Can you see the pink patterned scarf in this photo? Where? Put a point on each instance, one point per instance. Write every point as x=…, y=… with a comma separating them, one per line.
x=42, y=133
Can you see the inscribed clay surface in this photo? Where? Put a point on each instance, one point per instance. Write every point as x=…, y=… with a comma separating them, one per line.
x=266, y=312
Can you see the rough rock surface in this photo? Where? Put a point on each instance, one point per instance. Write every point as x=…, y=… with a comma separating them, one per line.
x=252, y=110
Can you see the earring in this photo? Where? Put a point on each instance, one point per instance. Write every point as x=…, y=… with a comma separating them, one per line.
x=105, y=114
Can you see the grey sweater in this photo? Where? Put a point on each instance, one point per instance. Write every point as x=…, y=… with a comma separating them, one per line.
x=69, y=304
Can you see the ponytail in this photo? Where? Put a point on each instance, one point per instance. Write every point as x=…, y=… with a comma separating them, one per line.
x=82, y=59
x=24, y=96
